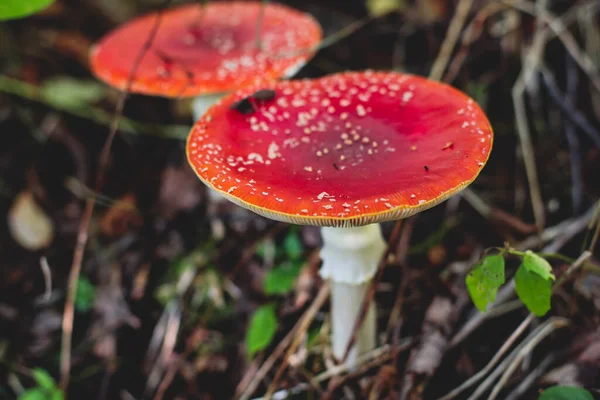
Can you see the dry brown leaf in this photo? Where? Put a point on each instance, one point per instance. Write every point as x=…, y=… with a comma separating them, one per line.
x=121, y=217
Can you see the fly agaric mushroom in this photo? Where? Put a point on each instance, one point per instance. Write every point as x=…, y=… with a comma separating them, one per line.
x=343, y=152
x=206, y=51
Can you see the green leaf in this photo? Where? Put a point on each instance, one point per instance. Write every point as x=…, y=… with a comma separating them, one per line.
x=43, y=379
x=68, y=93
x=85, y=295
x=533, y=290
x=261, y=330
x=13, y=9
x=42, y=394
x=538, y=265
x=566, y=393
x=34, y=394
x=280, y=279
x=57, y=394
x=292, y=244
x=484, y=280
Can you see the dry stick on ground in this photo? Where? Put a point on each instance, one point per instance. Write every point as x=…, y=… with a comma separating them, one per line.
x=471, y=34
x=454, y=29
x=571, y=116
x=569, y=110
x=531, y=378
x=164, y=337
x=572, y=139
x=495, y=214
x=47, y=278
x=596, y=221
x=485, y=385
x=245, y=391
x=531, y=60
x=557, y=26
x=366, y=362
x=303, y=325
x=553, y=324
x=363, y=363
x=82, y=234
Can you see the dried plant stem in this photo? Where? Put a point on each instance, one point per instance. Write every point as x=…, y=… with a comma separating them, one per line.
x=82, y=234
x=557, y=27
x=243, y=392
x=531, y=379
x=526, y=78
x=456, y=25
x=499, y=354
x=47, y=278
x=305, y=322
x=596, y=221
x=551, y=325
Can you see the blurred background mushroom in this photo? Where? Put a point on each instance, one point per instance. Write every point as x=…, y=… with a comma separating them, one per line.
x=204, y=51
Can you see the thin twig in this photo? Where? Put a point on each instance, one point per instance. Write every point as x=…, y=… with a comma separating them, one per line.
x=307, y=318
x=485, y=385
x=596, y=231
x=552, y=325
x=556, y=26
x=567, y=107
x=363, y=362
x=456, y=25
x=244, y=391
x=82, y=235
x=530, y=64
x=526, y=383
x=499, y=354
x=47, y=278
x=471, y=33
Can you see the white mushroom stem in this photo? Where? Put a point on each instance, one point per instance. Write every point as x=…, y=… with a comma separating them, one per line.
x=350, y=258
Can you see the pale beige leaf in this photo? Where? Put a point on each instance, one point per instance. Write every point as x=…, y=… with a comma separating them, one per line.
x=28, y=223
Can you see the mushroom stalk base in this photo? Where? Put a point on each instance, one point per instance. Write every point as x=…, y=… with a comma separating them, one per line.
x=350, y=258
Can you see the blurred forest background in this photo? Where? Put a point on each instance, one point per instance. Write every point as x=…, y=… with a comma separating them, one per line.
x=165, y=311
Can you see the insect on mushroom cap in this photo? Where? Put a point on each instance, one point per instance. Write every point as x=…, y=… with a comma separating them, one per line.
x=200, y=50
x=348, y=149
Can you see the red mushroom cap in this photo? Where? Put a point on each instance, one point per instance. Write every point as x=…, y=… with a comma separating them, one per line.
x=200, y=50
x=348, y=149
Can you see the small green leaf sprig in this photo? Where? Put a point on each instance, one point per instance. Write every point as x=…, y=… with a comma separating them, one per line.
x=533, y=280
